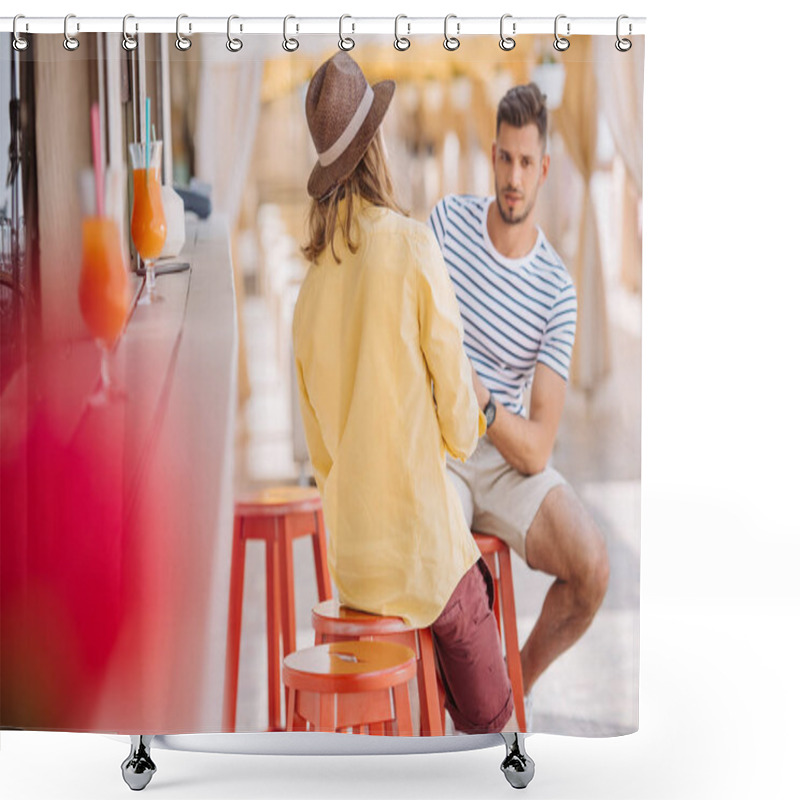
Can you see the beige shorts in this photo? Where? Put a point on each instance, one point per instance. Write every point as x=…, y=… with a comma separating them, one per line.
x=496, y=498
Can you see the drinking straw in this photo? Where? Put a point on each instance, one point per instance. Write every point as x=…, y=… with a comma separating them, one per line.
x=97, y=159
x=147, y=135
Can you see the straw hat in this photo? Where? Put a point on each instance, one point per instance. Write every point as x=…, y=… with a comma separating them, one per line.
x=343, y=113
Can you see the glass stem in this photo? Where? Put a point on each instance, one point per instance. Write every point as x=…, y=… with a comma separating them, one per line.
x=105, y=368
x=150, y=278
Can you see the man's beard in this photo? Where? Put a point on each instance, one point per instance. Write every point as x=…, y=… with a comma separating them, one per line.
x=506, y=216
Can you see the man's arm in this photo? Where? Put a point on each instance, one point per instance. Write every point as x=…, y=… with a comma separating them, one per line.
x=526, y=444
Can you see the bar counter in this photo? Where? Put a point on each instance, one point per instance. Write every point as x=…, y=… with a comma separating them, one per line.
x=116, y=519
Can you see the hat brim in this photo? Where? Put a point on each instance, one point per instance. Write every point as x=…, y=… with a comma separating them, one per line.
x=323, y=179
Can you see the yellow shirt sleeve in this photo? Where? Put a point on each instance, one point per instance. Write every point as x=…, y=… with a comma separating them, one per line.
x=441, y=338
x=317, y=451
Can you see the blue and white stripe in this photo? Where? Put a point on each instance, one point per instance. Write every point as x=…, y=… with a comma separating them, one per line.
x=516, y=312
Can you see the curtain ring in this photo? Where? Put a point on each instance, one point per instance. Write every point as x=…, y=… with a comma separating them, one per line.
x=400, y=42
x=181, y=42
x=506, y=42
x=289, y=44
x=623, y=45
x=70, y=42
x=233, y=44
x=561, y=44
x=128, y=42
x=20, y=43
x=345, y=42
x=451, y=42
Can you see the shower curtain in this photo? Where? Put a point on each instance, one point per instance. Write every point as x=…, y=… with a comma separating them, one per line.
x=119, y=496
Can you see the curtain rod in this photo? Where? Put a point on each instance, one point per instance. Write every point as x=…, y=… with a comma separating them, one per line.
x=407, y=26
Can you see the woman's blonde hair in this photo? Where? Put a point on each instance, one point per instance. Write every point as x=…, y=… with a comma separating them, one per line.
x=371, y=181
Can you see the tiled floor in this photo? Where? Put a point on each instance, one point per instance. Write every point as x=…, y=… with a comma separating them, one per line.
x=593, y=688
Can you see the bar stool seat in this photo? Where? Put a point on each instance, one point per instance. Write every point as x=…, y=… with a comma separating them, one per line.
x=363, y=686
x=278, y=516
x=334, y=622
x=496, y=554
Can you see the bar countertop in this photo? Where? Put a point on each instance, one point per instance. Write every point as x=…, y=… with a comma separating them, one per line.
x=117, y=519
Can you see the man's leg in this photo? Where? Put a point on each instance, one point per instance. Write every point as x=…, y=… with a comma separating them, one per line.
x=563, y=541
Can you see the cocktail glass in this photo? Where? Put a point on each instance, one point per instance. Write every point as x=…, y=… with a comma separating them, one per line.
x=148, y=223
x=104, y=289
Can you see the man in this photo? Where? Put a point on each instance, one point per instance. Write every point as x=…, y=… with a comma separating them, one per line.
x=518, y=307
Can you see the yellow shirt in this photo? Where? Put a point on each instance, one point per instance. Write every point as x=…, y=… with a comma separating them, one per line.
x=372, y=336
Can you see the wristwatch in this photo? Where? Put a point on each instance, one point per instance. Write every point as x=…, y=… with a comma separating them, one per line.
x=489, y=411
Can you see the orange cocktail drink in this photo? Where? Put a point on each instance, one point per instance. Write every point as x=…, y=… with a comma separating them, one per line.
x=148, y=224
x=104, y=292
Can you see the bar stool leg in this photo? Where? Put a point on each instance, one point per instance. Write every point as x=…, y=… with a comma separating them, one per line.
x=402, y=710
x=294, y=722
x=321, y=559
x=510, y=635
x=440, y=689
x=286, y=555
x=234, y=626
x=273, y=634
x=286, y=569
x=429, y=712
x=327, y=713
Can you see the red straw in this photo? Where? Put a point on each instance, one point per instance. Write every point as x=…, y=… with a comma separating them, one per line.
x=98, y=165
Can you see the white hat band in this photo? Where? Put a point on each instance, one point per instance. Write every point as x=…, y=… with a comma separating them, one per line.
x=349, y=133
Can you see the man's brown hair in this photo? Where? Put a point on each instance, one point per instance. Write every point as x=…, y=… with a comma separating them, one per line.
x=524, y=105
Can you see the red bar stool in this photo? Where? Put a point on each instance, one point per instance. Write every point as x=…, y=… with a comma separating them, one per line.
x=344, y=685
x=278, y=516
x=337, y=623
x=496, y=555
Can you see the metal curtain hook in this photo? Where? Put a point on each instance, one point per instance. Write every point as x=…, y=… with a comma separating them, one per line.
x=128, y=42
x=451, y=42
x=234, y=45
x=19, y=43
x=561, y=44
x=289, y=44
x=70, y=42
x=345, y=43
x=506, y=42
x=623, y=45
x=400, y=42
x=181, y=42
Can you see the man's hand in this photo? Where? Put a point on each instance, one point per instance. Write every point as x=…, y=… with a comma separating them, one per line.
x=526, y=444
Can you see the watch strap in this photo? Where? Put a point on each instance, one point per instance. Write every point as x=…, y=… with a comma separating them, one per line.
x=489, y=411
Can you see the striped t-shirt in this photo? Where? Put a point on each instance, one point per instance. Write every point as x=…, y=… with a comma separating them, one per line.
x=516, y=312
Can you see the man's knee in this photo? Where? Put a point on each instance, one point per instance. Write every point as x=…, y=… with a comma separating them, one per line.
x=592, y=574
x=565, y=542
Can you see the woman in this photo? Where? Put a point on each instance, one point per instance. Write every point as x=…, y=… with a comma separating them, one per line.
x=385, y=392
